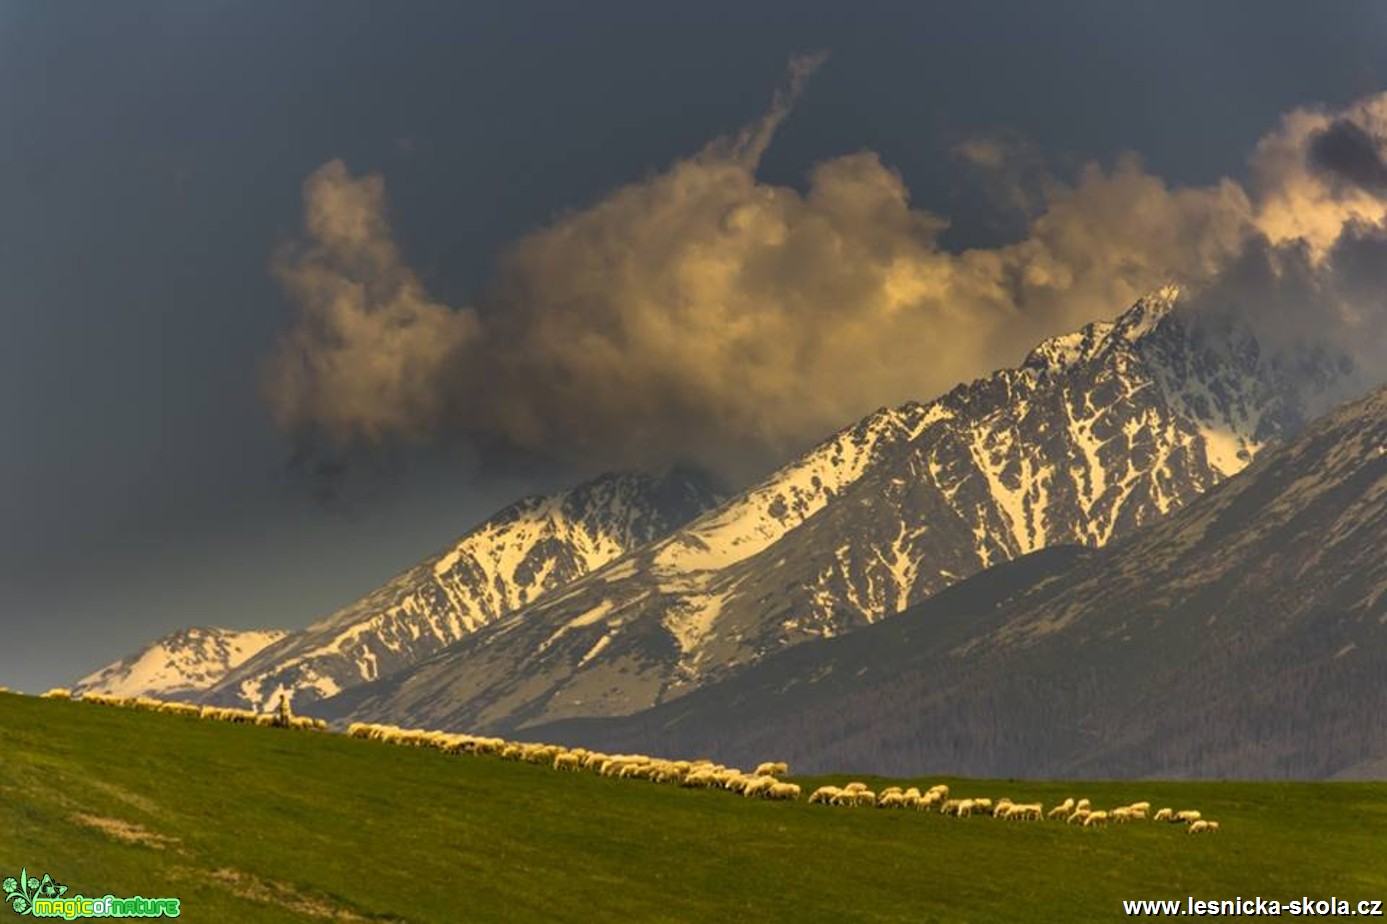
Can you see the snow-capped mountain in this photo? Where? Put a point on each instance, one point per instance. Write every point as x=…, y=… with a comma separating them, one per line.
x=513, y=559
x=1095, y=434
x=182, y=665
x=1244, y=636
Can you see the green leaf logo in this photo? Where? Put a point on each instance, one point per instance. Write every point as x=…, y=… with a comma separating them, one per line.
x=20, y=893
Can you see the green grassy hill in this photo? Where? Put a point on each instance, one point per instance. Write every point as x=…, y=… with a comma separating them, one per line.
x=263, y=824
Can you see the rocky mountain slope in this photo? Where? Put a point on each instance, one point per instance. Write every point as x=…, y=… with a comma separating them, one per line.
x=514, y=558
x=182, y=665
x=1096, y=434
x=1245, y=636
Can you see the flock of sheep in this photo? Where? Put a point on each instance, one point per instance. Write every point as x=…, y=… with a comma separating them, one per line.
x=1071, y=811
x=279, y=718
x=763, y=782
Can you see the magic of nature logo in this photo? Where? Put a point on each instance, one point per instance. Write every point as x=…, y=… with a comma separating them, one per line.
x=45, y=897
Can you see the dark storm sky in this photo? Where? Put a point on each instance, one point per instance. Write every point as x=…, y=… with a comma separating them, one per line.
x=152, y=154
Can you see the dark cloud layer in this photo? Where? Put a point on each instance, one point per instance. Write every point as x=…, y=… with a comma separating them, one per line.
x=1345, y=150
x=702, y=314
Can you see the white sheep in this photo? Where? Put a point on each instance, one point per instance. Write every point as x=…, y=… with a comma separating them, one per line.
x=57, y=693
x=699, y=779
x=1062, y=810
x=1197, y=827
x=772, y=768
x=1186, y=816
x=758, y=785
x=865, y=797
x=1002, y=807
x=741, y=781
x=959, y=808
x=450, y=744
x=538, y=753
x=824, y=794
x=789, y=791
x=463, y=744
x=891, y=800
x=1029, y=811
x=667, y=772
x=1165, y=814
x=1096, y=819
x=1079, y=816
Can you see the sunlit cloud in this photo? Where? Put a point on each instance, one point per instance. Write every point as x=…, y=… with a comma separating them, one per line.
x=701, y=314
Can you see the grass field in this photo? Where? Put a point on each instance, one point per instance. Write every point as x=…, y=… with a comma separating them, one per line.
x=263, y=824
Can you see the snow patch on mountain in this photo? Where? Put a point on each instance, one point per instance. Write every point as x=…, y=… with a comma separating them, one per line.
x=180, y=665
x=753, y=522
x=528, y=550
x=591, y=617
x=692, y=619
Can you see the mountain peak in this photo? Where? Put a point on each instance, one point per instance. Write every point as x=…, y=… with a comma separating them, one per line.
x=1146, y=315
x=1132, y=419
x=528, y=549
x=1255, y=614
x=183, y=663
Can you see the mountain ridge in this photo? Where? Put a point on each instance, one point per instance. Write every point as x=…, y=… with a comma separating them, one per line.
x=517, y=555
x=182, y=664
x=1094, y=435
x=1244, y=636
x=522, y=551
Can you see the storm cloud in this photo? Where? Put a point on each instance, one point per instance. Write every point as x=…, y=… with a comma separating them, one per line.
x=1345, y=150
x=701, y=314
